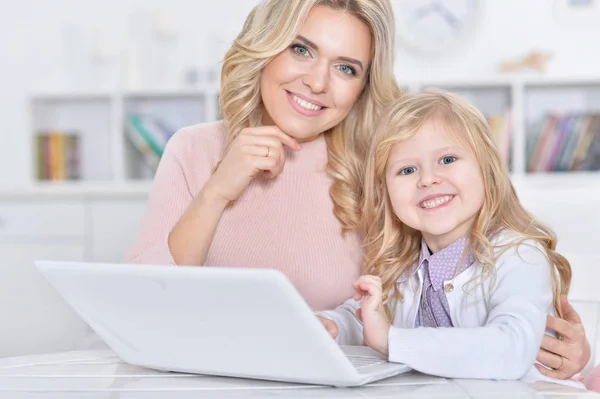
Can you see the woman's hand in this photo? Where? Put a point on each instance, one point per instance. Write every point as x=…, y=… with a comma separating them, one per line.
x=255, y=150
x=568, y=354
x=330, y=326
x=372, y=313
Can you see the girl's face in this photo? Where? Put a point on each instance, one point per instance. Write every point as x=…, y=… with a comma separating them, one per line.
x=312, y=85
x=435, y=184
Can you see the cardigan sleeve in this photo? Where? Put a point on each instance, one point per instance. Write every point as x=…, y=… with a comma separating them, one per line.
x=349, y=326
x=507, y=345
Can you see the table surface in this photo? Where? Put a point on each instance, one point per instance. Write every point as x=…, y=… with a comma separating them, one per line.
x=99, y=374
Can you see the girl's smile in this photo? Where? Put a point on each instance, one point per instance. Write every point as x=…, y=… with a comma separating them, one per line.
x=434, y=202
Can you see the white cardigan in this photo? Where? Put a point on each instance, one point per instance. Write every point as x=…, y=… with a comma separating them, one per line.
x=497, y=332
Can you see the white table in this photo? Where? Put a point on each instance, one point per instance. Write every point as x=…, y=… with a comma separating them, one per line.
x=99, y=374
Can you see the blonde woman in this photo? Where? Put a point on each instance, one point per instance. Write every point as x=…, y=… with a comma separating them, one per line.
x=277, y=183
x=450, y=245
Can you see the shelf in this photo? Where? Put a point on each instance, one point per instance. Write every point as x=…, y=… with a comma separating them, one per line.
x=507, y=81
x=564, y=180
x=466, y=85
x=52, y=96
x=56, y=95
x=513, y=104
x=173, y=94
x=69, y=189
x=562, y=82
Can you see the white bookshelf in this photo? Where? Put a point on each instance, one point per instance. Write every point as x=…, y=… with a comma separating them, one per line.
x=108, y=157
x=529, y=100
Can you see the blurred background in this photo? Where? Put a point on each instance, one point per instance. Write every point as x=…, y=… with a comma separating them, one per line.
x=92, y=90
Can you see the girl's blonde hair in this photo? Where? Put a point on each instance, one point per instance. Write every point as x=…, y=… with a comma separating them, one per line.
x=269, y=29
x=392, y=247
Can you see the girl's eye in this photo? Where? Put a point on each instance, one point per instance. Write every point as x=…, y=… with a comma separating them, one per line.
x=447, y=160
x=300, y=50
x=347, y=69
x=408, y=170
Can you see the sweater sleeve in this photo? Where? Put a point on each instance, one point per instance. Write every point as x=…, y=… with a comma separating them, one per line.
x=507, y=345
x=172, y=192
x=350, y=330
x=592, y=379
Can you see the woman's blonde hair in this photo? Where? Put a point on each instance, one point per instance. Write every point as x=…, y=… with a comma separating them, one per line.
x=269, y=29
x=392, y=247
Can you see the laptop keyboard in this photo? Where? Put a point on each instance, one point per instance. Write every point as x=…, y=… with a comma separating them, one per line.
x=363, y=361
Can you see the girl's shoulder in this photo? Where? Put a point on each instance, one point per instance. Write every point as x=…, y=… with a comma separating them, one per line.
x=510, y=246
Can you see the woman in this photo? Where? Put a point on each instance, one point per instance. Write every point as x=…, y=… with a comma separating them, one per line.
x=277, y=183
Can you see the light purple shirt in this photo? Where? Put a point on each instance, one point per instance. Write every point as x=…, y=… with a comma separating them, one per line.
x=439, y=267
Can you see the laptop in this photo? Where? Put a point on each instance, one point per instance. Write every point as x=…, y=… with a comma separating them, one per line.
x=220, y=321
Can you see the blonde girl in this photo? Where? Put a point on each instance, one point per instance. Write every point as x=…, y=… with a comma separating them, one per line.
x=449, y=245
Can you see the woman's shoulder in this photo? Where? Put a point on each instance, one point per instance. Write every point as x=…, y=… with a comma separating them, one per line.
x=195, y=151
x=195, y=143
x=207, y=136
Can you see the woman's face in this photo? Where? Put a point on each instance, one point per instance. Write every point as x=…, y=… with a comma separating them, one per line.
x=312, y=85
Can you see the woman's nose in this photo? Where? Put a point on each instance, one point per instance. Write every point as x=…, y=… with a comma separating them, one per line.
x=317, y=79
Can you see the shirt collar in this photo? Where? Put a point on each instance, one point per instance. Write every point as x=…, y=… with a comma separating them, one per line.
x=442, y=264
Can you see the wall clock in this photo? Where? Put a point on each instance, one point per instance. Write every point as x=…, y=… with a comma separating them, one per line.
x=434, y=27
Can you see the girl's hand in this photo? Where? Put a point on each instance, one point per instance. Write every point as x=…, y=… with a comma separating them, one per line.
x=372, y=313
x=568, y=354
x=330, y=326
x=255, y=150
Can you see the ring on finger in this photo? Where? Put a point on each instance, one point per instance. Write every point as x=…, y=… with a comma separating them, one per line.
x=268, y=151
x=562, y=361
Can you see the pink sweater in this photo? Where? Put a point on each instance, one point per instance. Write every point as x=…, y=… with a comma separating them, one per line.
x=592, y=379
x=286, y=223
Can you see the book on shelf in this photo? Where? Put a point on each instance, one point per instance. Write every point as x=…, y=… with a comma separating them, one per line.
x=58, y=155
x=501, y=129
x=149, y=135
x=564, y=142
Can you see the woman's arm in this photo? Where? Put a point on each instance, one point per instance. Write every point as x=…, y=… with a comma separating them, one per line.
x=255, y=150
x=179, y=225
x=572, y=345
x=173, y=206
x=168, y=200
x=193, y=234
x=506, y=346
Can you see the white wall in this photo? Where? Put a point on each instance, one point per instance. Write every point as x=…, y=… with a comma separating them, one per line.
x=512, y=28
x=32, y=32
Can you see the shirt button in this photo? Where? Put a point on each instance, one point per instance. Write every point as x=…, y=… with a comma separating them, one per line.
x=448, y=287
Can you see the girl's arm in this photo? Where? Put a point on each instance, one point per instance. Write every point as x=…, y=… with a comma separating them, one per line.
x=507, y=345
x=350, y=329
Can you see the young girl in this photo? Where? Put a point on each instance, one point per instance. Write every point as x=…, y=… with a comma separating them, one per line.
x=449, y=245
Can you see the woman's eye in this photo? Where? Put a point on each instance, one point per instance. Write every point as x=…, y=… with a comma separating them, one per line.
x=347, y=69
x=447, y=160
x=300, y=50
x=408, y=170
